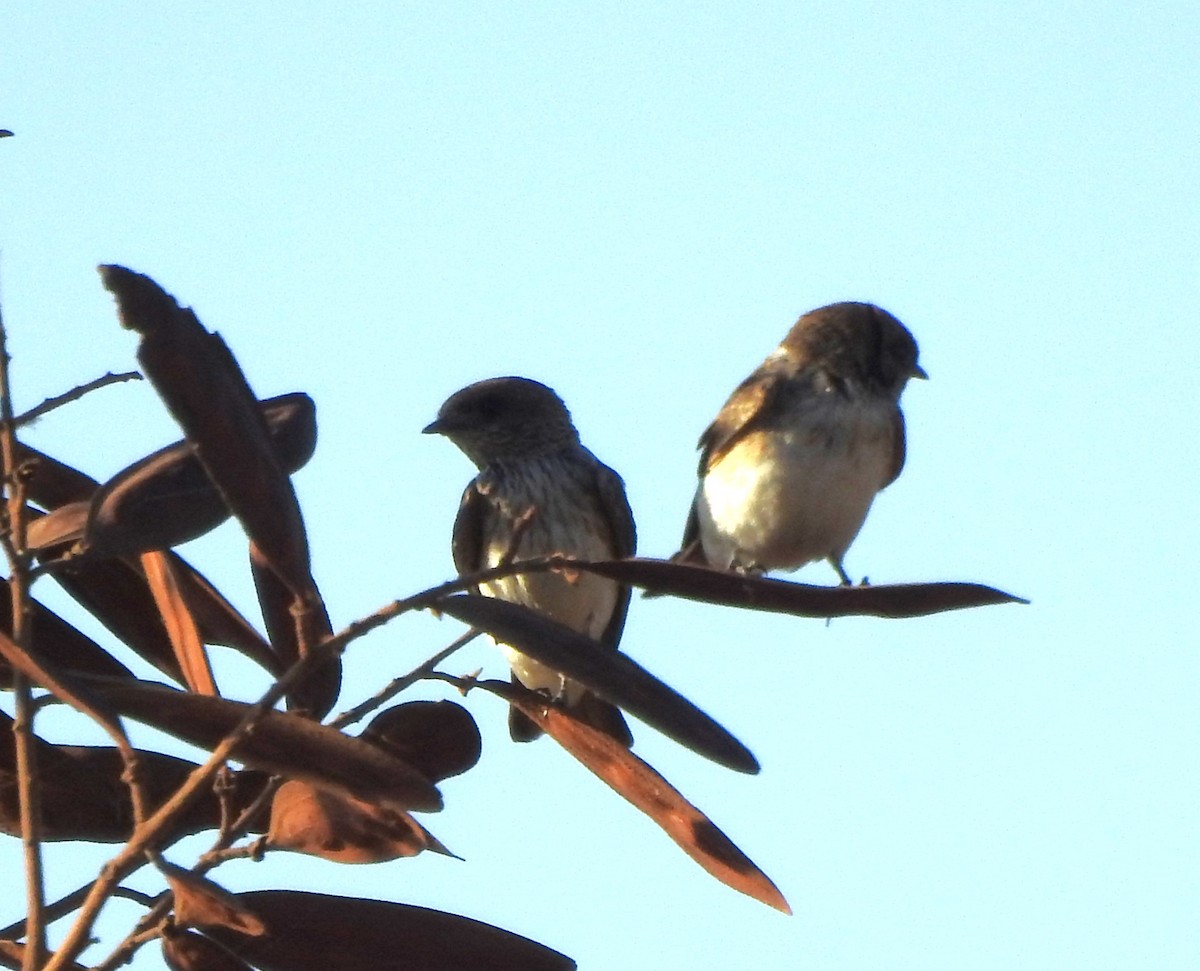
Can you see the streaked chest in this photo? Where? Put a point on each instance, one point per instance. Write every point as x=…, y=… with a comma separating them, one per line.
x=567, y=518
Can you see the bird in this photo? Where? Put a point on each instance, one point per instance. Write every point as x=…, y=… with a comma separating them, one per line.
x=539, y=491
x=793, y=460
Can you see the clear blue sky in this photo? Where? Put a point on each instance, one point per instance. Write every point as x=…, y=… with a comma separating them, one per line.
x=378, y=203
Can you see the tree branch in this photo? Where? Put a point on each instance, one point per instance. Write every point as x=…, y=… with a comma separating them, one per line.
x=28, y=783
x=47, y=406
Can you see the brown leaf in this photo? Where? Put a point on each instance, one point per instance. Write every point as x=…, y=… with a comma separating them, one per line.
x=84, y=795
x=437, y=738
x=202, y=386
x=180, y=624
x=336, y=827
x=318, y=932
x=614, y=676
x=281, y=743
x=296, y=625
x=199, y=902
x=799, y=599
x=189, y=951
x=637, y=782
x=59, y=642
x=167, y=498
x=117, y=594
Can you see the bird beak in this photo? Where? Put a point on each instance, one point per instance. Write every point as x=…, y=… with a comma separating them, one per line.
x=435, y=427
x=917, y=372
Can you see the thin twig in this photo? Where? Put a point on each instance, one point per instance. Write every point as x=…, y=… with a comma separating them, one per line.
x=28, y=782
x=247, y=851
x=47, y=406
x=60, y=908
x=393, y=688
x=53, y=911
x=137, y=896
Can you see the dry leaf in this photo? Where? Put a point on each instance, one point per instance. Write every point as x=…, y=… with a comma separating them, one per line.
x=180, y=624
x=637, y=782
x=798, y=599
x=321, y=932
x=84, y=796
x=336, y=827
x=59, y=642
x=437, y=738
x=281, y=743
x=199, y=902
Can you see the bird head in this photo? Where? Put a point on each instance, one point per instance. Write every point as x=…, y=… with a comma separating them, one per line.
x=502, y=419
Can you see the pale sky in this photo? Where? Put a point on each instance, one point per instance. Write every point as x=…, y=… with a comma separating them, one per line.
x=382, y=203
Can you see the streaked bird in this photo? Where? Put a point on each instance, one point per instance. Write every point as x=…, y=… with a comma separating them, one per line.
x=793, y=460
x=534, y=471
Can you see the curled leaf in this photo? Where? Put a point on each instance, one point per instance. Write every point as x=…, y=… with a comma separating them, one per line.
x=118, y=595
x=337, y=827
x=181, y=626
x=199, y=902
x=58, y=532
x=167, y=498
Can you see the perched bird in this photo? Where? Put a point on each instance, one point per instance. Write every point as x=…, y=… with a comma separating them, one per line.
x=794, y=458
x=536, y=480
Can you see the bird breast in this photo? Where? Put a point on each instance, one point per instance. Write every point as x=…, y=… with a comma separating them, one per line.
x=567, y=524
x=799, y=489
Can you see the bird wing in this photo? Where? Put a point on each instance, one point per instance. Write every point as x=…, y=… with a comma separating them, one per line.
x=614, y=507
x=898, y=447
x=690, y=548
x=739, y=415
x=466, y=542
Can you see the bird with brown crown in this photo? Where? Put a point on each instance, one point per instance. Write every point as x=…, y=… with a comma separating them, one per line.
x=795, y=457
x=540, y=490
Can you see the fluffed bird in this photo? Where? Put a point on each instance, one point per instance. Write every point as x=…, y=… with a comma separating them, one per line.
x=793, y=460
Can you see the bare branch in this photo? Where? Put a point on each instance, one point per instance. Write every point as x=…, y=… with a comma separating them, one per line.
x=47, y=406
x=28, y=783
x=393, y=688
